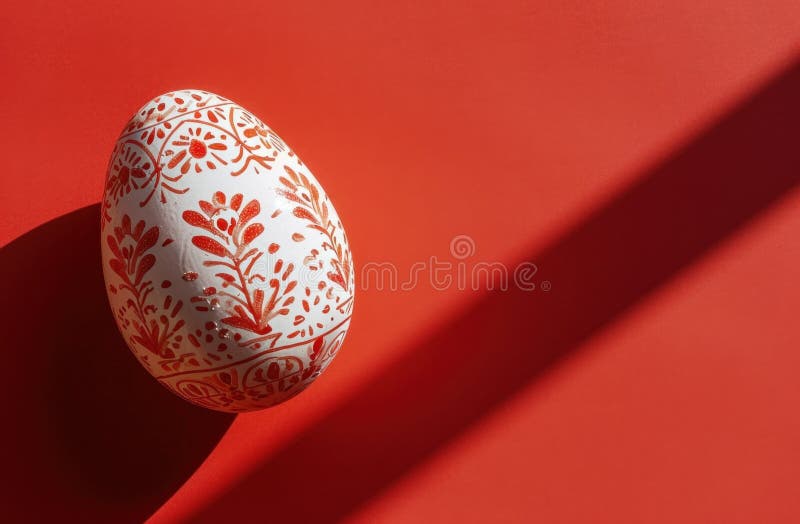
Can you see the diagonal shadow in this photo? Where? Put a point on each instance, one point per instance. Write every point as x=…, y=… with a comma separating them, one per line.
x=675, y=214
x=89, y=436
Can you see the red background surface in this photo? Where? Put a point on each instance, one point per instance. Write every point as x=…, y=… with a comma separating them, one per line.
x=643, y=154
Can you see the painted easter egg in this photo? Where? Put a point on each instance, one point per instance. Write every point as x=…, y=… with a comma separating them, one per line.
x=227, y=268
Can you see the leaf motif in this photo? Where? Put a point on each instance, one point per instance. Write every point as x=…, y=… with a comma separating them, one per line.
x=290, y=196
x=144, y=266
x=313, y=190
x=239, y=322
x=139, y=340
x=291, y=174
x=300, y=212
x=252, y=231
x=207, y=208
x=236, y=201
x=147, y=241
x=250, y=210
x=209, y=245
x=137, y=231
x=193, y=218
x=118, y=267
x=112, y=244
x=176, y=159
x=287, y=183
x=336, y=278
x=258, y=302
x=240, y=311
x=315, y=349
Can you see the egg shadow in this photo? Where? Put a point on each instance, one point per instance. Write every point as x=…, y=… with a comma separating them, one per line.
x=91, y=436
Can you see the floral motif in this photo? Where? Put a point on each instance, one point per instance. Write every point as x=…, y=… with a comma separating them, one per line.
x=131, y=261
x=314, y=210
x=196, y=148
x=250, y=306
x=255, y=141
x=127, y=172
x=195, y=143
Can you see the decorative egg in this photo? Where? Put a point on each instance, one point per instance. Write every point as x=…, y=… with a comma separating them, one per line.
x=227, y=268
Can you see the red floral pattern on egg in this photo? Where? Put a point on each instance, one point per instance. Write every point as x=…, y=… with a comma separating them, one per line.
x=227, y=267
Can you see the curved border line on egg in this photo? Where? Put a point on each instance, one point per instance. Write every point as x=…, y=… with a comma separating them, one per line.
x=257, y=355
x=143, y=128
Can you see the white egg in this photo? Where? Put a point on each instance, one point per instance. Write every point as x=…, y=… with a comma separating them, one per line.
x=226, y=265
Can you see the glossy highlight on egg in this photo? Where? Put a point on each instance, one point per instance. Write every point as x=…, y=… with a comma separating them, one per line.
x=227, y=268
